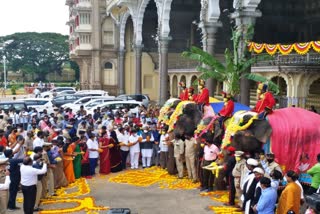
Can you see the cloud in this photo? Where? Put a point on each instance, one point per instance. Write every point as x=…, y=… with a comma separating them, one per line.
x=33, y=16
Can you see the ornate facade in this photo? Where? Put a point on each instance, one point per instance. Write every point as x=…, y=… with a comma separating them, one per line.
x=134, y=46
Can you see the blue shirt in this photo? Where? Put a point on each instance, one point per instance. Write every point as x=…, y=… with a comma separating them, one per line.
x=267, y=201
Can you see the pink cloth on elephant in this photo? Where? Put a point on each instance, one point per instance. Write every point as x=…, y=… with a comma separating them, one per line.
x=207, y=111
x=295, y=131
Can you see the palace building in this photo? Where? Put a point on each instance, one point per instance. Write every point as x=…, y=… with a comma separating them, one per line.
x=135, y=46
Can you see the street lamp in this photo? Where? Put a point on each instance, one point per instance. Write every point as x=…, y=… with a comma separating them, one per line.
x=4, y=72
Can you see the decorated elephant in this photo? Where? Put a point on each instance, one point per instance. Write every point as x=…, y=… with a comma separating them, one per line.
x=289, y=133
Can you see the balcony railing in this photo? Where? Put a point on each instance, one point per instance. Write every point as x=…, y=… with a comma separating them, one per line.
x=291, y=60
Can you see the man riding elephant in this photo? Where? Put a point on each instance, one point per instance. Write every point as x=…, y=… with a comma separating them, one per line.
x=227, y=109
x=265, y=102
x=203, y=96
x=184, y=91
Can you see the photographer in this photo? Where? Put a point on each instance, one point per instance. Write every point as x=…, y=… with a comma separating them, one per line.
x=29, y=177
x=4, y=184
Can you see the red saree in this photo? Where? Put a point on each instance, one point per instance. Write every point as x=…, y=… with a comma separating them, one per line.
x=104, y=155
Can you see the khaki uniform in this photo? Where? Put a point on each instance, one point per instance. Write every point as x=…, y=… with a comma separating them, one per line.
x=237, y=174
x=190, y=154
x=4, y=194
x=179, y=151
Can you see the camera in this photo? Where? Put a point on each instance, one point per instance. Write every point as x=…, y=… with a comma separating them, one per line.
x=313, y=201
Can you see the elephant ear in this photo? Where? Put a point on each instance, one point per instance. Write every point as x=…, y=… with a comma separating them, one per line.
x=261, y=129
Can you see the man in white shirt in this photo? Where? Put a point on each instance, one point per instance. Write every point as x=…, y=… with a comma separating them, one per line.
x=134, y=149
x=123, y=139
x=29, y=179
x=93, y=148
x=39, y=140
x=4, y=185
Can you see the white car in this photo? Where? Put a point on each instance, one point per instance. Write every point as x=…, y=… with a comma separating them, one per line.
x=39, y=103
x=75, y=106
x=93, y=93
x=93, y=103
x=48, y=94
x=132, y=105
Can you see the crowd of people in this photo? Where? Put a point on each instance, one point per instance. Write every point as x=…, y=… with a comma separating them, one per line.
x=41, y=152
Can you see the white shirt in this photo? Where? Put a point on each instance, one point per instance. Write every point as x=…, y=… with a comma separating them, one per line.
x=29, y=175
x=135, y=148
x=163, y=145
x=6, y=184
x=93, y=144
x=123, y=138
x=38, y=142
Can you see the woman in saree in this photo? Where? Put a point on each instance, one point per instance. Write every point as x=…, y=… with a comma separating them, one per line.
x=115, y=155
x=77, y=158
x=105, y=154
x=58, y=172
x=85, y=164
x=68, y=161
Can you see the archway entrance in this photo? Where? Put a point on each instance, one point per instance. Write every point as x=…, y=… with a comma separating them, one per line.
x=281, y=98
x=313, y=98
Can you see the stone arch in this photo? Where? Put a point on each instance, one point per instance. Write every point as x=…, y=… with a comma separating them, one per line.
x=165, y=18
x=286, y=79
x=183, y=78
x=139, y=22
x=282, y=84
x=192, y=83
x=108, y=65
x=149, y=28
x=109, y=74
x=122, y=30
x=174, y=86
x=313, y=92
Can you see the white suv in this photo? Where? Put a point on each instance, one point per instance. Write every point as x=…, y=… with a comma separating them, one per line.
x=39, y=103
x=49, y=94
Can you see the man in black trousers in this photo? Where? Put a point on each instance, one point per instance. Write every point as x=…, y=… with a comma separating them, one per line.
x=29, y=178
x=15, y=179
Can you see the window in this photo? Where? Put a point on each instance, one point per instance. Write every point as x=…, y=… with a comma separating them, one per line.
x=108, y=38
x=108, y=65
x=108, y=29
x=85, y=18
x=85, y=39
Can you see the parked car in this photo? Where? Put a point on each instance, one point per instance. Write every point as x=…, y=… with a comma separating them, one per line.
x=65, y=92
x=138, y=97
x=132, y=105
x=93, y=103
x=63, y=99
x=17, y=105
x=39, y=103
x=93, y=93
x=75, y=106
x=48, y=94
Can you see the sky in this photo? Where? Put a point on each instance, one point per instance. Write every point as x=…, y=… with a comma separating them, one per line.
x=33, y=16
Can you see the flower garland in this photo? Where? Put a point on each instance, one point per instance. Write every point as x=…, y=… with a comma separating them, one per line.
x=83, y=189
x=87, y=204
x=151, y=176
x=271, y=49
x=223, y=197
x=177, y=112
x=63, y=196
x=165, y=109
x=234, y=126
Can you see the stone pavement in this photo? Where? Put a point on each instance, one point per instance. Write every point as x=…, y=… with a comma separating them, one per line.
x=141, y=200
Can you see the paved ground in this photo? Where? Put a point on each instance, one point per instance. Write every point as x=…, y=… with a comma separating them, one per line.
x=142, y=200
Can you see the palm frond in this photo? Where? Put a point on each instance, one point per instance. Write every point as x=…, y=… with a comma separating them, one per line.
x=258, y=78
x=211, y=73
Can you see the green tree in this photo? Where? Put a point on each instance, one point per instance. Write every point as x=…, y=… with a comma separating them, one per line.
x=39, y=53
x=231, y=70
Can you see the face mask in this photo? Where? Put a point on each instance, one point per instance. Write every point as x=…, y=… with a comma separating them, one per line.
x=19, y=130
x=285, y=179
x=145, y=131
x=238, y=159
x=270, y=160
x=225, y=99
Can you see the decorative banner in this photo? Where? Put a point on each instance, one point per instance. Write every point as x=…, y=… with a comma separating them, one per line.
x=271, y=49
